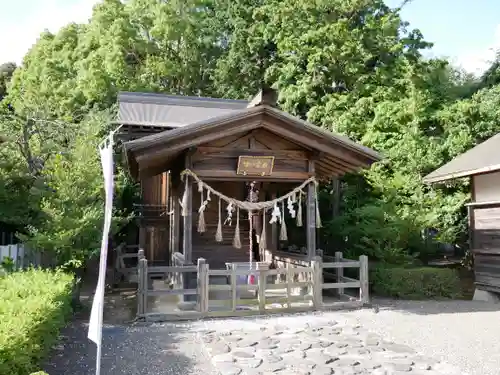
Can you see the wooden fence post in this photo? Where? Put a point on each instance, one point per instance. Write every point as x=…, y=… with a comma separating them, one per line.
x=363, y=280
x=289, y=281
x=262, y=285
x=145, y=284
x=340, y=272
x=140, y=286
x=234, y=295
x=202, y=285
x=317, y=282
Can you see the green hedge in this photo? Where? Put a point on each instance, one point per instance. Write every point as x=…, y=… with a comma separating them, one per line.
x=415, y=282
x=34, y=306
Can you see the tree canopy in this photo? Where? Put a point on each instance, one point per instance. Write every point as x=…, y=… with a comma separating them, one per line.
x=353, y=67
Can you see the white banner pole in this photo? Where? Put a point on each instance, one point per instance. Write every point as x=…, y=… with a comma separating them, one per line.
x=96, y=314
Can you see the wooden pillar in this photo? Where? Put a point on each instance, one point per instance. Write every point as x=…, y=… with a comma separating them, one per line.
x=311, y=216
x=187, y=237
x=175, y=221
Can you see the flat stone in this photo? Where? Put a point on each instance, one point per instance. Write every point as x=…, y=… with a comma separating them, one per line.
x=218, y=348
x=320, y=358
x=320, y=370
x=344, y=362
x=229, y=369
x=233, y=338
x=250, y=363
x=267, y=344
x=273, y=367
x=325, y=343
x=282, y=350
x=243, y=355
x=272, y=359
x=209, y=339
x=293, y=355
x=223, y=358
x=398, y=348
x=367, y=364
x=245, y=343
x=304, y=364
x=332, y=331
x=399, y=365
x=334, y=351
x=372, y=340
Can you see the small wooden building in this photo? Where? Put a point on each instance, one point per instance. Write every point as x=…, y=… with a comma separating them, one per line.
x=482, y=165
x=236, y=148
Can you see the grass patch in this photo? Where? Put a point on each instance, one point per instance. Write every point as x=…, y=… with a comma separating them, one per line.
x=415, y=283
x=35, y=305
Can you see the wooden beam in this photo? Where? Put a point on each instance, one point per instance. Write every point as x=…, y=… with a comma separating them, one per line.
x=300, y=135
x=220, y=152
x=232, y=176
x=311, y=216
x=188, y=219
x=225, y=130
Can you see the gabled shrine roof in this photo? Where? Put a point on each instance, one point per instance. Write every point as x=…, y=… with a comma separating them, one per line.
x=338, y=154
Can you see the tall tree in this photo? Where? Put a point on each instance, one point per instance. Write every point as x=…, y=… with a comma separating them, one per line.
x=6, y=72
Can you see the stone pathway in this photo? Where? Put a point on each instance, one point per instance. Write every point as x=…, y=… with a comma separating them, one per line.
x=331, y=347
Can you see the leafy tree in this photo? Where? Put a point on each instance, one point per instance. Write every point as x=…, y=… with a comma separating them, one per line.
x=73, y=204
x=6, y=71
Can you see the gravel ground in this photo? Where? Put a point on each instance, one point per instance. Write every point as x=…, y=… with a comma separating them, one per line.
x=159, y=349
x=463, y=333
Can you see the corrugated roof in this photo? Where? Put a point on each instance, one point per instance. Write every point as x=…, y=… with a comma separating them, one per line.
x=171, y=111
x=485, y=157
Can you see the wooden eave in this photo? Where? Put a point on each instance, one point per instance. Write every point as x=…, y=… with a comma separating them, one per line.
x=335, y=154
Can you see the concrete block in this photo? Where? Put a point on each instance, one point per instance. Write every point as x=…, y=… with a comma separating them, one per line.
x=486, y=296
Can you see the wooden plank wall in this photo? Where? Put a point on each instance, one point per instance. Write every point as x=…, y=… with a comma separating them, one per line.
x=484, y=228
x=486, y=247
x=155, y=236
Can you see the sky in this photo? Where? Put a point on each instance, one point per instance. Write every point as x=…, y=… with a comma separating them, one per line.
x=465, y=31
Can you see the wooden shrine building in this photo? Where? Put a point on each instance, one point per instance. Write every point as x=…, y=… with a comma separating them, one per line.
x=481, y=165
x=199, y=159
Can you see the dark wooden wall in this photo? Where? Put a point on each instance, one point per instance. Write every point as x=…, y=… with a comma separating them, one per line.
x=154, y=227
x=485, y=233
x=204, y=244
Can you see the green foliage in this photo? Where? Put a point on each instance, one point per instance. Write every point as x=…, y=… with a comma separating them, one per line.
x=35, y=306
x=415, y=282
x=6, y=71
x=73, y=204
x=7, y=264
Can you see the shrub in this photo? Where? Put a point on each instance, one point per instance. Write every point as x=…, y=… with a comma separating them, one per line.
x=415, y=282
x=34, y=307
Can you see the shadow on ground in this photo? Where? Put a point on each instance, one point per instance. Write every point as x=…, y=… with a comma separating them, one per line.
x=434, y=307
x=131, y=350
x=128, y=348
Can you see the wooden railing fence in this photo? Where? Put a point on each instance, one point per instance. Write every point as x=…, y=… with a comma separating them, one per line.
x=206, y=306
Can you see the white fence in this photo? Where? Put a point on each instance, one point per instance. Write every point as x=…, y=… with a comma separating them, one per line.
x=270, y=295
x=21, y=256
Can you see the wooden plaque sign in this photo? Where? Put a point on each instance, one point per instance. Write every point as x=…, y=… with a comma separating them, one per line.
x=255, y=165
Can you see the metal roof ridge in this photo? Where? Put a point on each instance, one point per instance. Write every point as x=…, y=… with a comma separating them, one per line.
x=180, y=100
